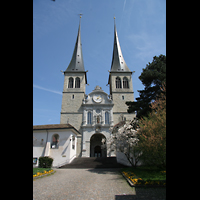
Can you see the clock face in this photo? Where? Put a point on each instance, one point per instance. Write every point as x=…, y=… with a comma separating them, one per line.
x=97, y=98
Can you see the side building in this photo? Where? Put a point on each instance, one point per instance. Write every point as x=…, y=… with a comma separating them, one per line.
x=58, y=141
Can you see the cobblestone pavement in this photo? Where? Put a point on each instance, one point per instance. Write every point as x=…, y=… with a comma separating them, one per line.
x=89, y=184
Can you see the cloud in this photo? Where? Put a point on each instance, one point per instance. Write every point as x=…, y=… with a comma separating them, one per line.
x=124, y=5
x=42, y=88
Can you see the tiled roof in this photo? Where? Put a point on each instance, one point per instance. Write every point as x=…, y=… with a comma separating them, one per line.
x=54, y=126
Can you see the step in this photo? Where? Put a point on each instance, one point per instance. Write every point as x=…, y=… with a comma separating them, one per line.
x=93, y=162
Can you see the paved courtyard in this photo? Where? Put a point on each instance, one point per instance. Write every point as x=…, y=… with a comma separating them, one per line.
x=96, y=184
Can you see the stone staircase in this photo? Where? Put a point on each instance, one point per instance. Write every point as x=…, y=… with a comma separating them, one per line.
x=93, y=162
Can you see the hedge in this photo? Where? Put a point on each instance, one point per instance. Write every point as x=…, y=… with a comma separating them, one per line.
x=45, y=162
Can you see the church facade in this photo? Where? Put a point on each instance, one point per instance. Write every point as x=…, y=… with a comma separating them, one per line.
x=93, y=115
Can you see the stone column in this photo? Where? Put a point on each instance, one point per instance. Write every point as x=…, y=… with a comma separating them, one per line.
x=84, y=117
x=103, y=117
x=83, y=142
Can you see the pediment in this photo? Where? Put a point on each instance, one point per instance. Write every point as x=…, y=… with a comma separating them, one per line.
x=98, y=97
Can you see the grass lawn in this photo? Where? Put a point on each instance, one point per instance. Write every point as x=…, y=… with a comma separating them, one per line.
x=35, y=170
x=147, y=173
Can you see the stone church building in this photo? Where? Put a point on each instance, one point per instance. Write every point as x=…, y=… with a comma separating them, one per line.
x=85, y=120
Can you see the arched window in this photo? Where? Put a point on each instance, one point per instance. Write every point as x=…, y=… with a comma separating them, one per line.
x=89, y=118
x=77, y=82
x=55, y=140
x=106, y=118
x=71, y=82
x=118, y=83
x=125, y=82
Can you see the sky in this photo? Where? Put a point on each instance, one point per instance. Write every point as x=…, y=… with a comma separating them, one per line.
x=141, y=28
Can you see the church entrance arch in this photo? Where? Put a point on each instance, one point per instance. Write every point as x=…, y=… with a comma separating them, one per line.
x=98, y=145
x=97, y=151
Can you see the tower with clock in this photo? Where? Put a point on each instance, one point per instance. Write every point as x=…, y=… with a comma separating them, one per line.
x=94, y=114
x=97, y=120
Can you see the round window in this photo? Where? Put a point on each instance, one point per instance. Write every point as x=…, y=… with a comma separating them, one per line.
x=97, y=111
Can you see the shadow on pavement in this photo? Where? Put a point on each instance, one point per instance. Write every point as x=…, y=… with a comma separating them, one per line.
x=150, y=193
x=142, y=193
x=124, y=197
x=108, y=171
x=105, y=170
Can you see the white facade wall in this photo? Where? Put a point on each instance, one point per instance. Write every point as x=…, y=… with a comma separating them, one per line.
x=87, y=134
x=97, y=110
x=122, y=159
x=63, y=155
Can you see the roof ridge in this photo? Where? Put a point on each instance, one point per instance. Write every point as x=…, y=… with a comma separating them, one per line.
x=54, y=126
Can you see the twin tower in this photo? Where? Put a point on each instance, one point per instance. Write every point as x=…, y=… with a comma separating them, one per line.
x=75, y=80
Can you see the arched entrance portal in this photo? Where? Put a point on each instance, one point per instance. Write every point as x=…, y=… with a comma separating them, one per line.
x=97, y=151
x=98, y=145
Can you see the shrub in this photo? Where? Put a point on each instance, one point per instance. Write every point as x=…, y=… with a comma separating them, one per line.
x=45, y=162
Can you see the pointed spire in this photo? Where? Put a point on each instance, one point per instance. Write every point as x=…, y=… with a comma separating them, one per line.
x=76, y=63
x=118, y=62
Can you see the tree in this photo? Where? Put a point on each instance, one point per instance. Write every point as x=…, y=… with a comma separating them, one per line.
x=144, y=139
x=152, y=77
x=152, y=133
x=124, y=139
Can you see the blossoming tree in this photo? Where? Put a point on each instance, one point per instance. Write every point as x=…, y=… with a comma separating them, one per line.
x=124, y=139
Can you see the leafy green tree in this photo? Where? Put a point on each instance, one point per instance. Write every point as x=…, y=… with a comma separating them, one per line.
x=152, y=77
x=152, y=134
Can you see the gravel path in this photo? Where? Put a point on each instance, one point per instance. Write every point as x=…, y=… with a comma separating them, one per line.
x=88, y=184
x=82, y=184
